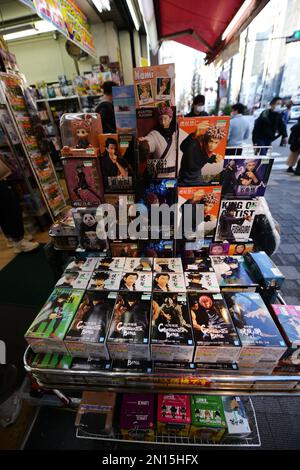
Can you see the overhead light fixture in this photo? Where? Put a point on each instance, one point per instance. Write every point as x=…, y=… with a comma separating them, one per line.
x=102, y=5
x=38, y=27
x=133, y=14
x=236, y=19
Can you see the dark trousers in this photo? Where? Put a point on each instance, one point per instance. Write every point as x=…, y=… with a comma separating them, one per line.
x=11, y=220
x=262, y=143
x=234, y=151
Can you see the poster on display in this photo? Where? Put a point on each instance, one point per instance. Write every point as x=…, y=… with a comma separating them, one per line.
x=50, y=11
x=124, y=106
x=154, y=86
x=201, y=149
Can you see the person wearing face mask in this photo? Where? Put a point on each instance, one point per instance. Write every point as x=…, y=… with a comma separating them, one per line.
x=239, y=130
x=198, y=107
x=269, y=126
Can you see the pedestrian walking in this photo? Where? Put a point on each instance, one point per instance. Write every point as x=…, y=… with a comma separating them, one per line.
x=294, y=141
x=239, y=130
x=269, y=126
x=198, y=107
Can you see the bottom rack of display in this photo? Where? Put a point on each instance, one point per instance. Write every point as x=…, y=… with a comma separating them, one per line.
x=164, y=382
x=251, y=440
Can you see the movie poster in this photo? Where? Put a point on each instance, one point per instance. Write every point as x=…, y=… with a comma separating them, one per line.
x=156, y=128
x=201, y=149
x=116, y=163
x=246, y=177
x=209, y=197
x=235, y=220
x=154, y=86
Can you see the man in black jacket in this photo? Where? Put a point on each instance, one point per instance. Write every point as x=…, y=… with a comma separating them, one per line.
x=269, y=126
x=106, y=109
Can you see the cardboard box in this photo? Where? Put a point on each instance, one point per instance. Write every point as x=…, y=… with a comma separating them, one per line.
x=74, y=280
x=232, y=274
x=95, y=413
x=174, y=415
x=105, y=281
x=208, y=419
x=202, y=282
x=287, y=318
x=137, y=417
x=263, y=270
x=236, y=418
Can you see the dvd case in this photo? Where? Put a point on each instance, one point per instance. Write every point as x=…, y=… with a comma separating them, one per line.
x=246, y=177
x=128, y=337
x=171, y=333
x=47, y=331
x=201, y=149
x=168, y=282
x=105, y=281
x=216, y=339
x=202, y=282
x=235, y=220
x=74, y=280
x=87, y=333
x=259, y=336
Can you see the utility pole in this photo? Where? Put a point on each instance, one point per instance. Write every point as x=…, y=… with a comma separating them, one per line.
x=244, y=63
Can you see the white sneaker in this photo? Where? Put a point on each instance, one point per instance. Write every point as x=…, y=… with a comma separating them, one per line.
x=24, y=246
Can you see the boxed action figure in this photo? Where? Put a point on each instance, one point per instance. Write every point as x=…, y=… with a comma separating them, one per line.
x=246, y=177
x=137, y=417
x=105, y=281
x=157, y=248
x=168, y=282
x=215, y=337
x=167, y=265
x=52, y=361
x=87, y=333
x=128, y=336
x=231, y=249
x=174, y=415
x=95, y=413
x=171, y=333
x=154, y=85
x=208, y=419
x=139, y=367
x=232, y=274
x=199, y=265
x=201, y=282
x=164, y=367
x=47, y=331
x=111, y=264
x=117, y=163
x=124, y=249
x=84, y=181
x=136, y=281
x=79, y=134
x=287, y=317
x=89, y=229
x=263, y=270
x=220, y=368
x=259, y=336
x=235, y=221
x=138, y=264
x=236, y=418
x=82, y=264
x=74, y=280
x=90, y=363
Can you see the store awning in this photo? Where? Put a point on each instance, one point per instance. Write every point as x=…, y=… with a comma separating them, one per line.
x=206, y=25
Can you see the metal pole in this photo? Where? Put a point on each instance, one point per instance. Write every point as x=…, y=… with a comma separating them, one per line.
x=244, y=63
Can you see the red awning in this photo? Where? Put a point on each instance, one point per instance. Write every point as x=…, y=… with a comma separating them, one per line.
x=201, y=23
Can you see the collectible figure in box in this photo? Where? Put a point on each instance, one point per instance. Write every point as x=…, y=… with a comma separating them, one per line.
x=160, y=191
x=79, y=133
x=52, y=361
x=156, y=128
x=246, y=177
x=164, y=367
x=124, y=107
x=198, y=265
x=138, y=264
x=86, y=224
x=208, y=419
x=171, y=334
x=91, y=363
x=235, y=220
x=219, y=249
x=174, y=415
x=231, y=272
x=220, y=368
x=84, y=181
x=287, y=318
x=157, y=248
x=95, y=413
x=47, y=331
x=260, y=337
x=201, y=282
x=154, y=85
x=215, y=336
x=168, y=282
x=236, y=418
x=124, y=249
x=140, y=367
x=263, y=270
x=240, y=248
x=196, y=249
x=111, y=264
x=105, y=281
x=82, y=264
x=199, y=203
x=74, y=280
x=167, y=265
x=117, y=169
x=128, y=336
x=201, y=149
x=123, y=204
x=64, y=227
x=136, y=281
x=137, y=417
x=87, y=333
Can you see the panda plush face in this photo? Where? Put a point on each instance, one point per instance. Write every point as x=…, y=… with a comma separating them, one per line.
x=88, y=220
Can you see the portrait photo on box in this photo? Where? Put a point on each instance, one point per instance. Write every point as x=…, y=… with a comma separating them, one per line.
x=117, y=169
